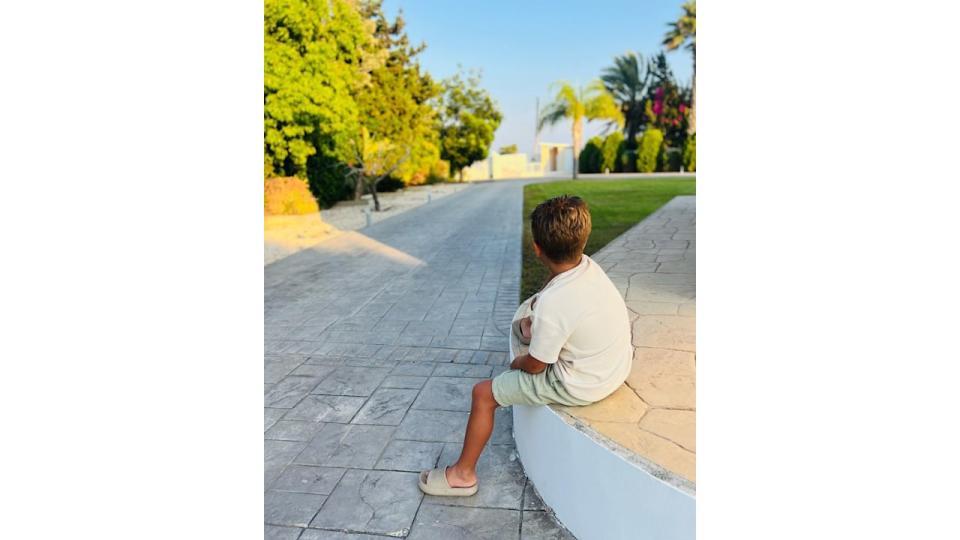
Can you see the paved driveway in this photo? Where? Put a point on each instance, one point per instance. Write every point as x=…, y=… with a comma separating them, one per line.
x=373, y=340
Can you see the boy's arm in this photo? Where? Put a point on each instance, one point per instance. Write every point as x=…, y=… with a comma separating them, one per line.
x=528, y=363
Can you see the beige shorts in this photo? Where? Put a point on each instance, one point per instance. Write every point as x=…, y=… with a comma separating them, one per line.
x=517, y=387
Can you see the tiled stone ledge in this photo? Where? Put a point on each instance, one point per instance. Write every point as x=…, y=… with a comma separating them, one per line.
x=654, y=413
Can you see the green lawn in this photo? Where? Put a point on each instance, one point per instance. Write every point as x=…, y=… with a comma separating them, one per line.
x=615, y=206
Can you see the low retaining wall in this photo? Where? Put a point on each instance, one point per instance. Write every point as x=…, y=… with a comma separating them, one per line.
x=595, y=489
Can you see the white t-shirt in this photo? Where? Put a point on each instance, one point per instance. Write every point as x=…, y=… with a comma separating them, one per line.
x=580, y=324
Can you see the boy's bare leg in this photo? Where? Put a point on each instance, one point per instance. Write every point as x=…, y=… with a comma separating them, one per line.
x=463, y=473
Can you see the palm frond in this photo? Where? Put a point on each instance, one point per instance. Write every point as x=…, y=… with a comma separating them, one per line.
x=622, y=79
x=599, y=104
x=683, y=29
x=553, y=114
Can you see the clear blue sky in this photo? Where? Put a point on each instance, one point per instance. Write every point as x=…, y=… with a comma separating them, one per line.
x=523, y=46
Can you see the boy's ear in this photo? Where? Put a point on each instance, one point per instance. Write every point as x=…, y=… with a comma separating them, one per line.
x=536, y=248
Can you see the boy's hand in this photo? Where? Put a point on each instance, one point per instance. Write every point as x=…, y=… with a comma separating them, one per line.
x=528, y=363
x=526, y=328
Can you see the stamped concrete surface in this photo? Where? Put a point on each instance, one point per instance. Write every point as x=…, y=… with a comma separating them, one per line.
x=373, y=340
x=654, y=414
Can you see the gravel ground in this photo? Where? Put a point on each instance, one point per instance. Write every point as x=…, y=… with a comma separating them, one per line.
x=347, y=217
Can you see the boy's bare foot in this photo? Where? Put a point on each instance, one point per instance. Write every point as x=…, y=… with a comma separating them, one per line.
x=460, y=478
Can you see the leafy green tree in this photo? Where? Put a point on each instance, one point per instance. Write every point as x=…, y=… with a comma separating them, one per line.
x=628, y=80
x=647, y=154
x=509, y=149
x=666, y=110
x=659, y=69
x=592, y=103
x=468, y=120
x=611, y=151
x=395, y=105
x=684, y=31
x=315, y=59
x=591, y=158
x=373, y=161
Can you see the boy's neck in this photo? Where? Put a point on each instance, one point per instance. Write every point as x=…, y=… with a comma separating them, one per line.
x=559, y=268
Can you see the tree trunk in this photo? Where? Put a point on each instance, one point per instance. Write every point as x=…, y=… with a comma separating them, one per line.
x=461, y=174
x=630, y=146
x=358, y=191
x=376, y=201
x=577, y=129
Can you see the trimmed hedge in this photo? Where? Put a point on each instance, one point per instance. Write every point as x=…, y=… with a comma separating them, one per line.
x=650, y=144
x=288, y=196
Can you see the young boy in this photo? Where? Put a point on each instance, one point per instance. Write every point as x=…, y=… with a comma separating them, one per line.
x=579, y=336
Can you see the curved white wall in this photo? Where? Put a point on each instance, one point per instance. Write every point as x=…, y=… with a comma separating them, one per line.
x=594, y=492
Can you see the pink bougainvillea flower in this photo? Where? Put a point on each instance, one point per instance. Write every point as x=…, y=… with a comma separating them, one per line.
x=659, y=92
x=682, y=108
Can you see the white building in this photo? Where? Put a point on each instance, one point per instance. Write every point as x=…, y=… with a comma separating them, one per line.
x=554, y=160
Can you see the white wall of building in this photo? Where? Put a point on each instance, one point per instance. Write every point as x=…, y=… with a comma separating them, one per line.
x=555, y=160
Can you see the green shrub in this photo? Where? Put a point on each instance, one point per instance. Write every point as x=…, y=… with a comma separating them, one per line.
x=390, y=184
x=690, y=154
x=591, y=156
x=328, y=180
x=418, y=178
x=439, y=172
x=610, y=151
x=649, y=149
x=288, y=196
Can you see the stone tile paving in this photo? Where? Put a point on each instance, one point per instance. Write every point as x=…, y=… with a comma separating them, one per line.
x=372, y=343
x=654, y=266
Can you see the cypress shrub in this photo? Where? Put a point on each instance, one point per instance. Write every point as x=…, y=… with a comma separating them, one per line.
x=591, y=156
x=669, y=159
x=650, y=144
x=611, y=151
x=690, y=154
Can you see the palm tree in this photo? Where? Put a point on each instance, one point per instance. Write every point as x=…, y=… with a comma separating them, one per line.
x=684, y=30
x=592, y=103
x=627, y=81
